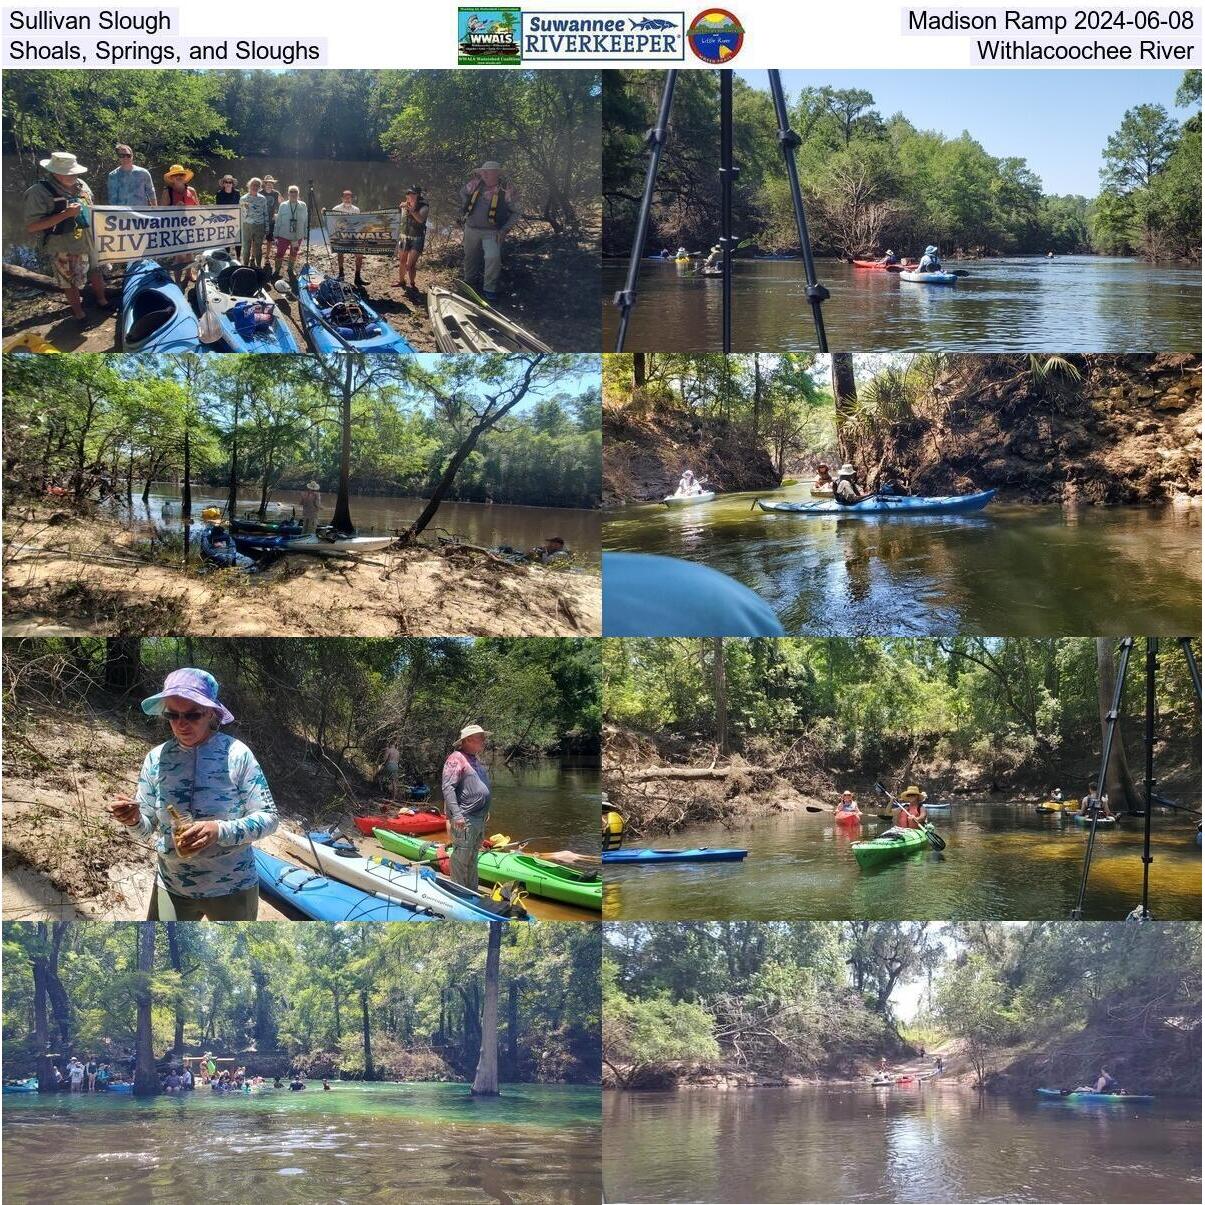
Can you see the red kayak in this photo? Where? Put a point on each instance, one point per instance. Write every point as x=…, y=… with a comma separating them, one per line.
x=413, y=821
x=846, y=818
x=872, y=263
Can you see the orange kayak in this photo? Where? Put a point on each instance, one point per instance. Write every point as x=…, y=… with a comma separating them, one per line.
x=872, y=263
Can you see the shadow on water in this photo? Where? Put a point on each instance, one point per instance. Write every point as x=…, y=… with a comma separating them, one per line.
x=926, y=1142
x=1011, y=570
x=1080, y=303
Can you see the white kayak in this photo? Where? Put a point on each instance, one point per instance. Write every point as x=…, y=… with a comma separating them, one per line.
x=340, y=547
x=929, y=278
x=687, y=499
x=340, y=859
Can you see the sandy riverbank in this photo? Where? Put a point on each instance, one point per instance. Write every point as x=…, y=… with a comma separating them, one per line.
x=72, y=575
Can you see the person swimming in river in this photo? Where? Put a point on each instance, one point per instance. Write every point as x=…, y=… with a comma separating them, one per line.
x=846, y=492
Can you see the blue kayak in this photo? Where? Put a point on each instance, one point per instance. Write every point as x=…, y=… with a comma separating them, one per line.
x=28, y=1085
x=645, y=856
x=336, y=318
x=127, y=1089
x=247, y=317
x=321, y=898
x=887, y=504
x=154, y=313
x=1111, y=1097
x=929, y=278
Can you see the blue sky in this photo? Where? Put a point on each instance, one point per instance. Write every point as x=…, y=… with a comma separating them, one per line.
x=1058, y=121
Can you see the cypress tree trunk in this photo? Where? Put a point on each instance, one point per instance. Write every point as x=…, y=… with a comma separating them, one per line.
x=485, y=1082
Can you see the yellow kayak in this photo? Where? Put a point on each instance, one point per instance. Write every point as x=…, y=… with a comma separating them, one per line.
x=1051, y=805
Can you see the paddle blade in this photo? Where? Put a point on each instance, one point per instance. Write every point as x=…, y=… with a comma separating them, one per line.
x=209, y=330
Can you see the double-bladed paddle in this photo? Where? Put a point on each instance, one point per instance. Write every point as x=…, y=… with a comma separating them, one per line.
x=936, y=841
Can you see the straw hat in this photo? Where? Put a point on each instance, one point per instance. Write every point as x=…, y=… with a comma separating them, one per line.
x=63, y=163
x=178, y=169
x=471, y=730
x=912, y=793
x=211, y=514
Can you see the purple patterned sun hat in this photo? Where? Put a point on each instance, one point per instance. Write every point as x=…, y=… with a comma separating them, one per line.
x=193, y=684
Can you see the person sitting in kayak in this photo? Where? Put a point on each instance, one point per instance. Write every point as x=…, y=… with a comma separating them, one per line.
x=683, y=253
x=1092, y=803
x=889, y=258
x=688, y=485
x=612, y=827
x=848, y=805
x=1105, y=1082
x=893, y=483
x=714, y=256
x=845, y=492
x=930, y=261
x=912, y=814
x=217, y=544
x=824, y=478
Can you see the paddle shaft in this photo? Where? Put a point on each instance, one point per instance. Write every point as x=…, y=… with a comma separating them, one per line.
x=937, y=842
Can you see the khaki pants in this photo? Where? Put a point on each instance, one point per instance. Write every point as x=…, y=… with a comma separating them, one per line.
x=482, y=258
x=466, y=849
x=253, y=245
x=166, y=905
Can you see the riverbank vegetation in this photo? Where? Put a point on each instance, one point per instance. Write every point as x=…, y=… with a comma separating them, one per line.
x=705, y=730
x=741, y=1004
x=352, y=1001
x=318, y=714
x=872, y=181
x=87, y=438
x=1088, y=428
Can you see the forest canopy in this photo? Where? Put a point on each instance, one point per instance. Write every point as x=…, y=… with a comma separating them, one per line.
x=873, y=181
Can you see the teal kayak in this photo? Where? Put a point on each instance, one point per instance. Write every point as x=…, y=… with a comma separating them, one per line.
x=894, y=843
x=1101, y=821
x=887, y=504
x=154, y=313
x=1111, y=1097
x=930, y=278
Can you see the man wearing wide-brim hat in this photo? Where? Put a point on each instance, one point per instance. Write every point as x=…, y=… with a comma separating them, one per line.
x=311, y=500
x=466, y=791
x=490, y=209
x=58, y=211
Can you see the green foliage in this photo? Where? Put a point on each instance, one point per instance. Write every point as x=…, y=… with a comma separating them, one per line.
x=75, y=421
x=297, y=990
x=998, y=702
x=870, y=182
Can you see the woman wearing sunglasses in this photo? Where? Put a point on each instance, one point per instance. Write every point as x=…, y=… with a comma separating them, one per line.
x=204, y=797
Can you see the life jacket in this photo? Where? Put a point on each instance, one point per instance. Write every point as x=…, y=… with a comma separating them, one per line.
x=499, y=210
x=908, y=818
x=612, y=831
x=190, y=195
x=850, y=489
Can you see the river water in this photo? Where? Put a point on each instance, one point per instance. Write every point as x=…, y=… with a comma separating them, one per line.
x=1010, y=570
x=551, y=805
x=927, y=1142
x=358, y=1142
x=477, y=523
x=1073, y=303
x=1001, y=862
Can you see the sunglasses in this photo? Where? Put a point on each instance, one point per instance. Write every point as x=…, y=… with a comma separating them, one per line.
x=189, y=717
x=125, y=156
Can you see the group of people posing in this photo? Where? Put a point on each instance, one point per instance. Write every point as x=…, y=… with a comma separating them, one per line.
x=273, y=224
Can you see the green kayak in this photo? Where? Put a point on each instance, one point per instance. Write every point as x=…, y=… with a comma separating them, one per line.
x=537, y=876
x=894, y=843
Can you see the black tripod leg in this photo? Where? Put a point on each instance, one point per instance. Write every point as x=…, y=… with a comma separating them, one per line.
x=655, y=140
x=727, y=176
x=1194, y=670
x=1127, y=646
x=789, y=141
x=1152, y=652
